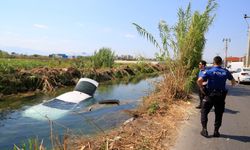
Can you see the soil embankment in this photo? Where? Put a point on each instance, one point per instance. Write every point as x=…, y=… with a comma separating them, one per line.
x=47, y=79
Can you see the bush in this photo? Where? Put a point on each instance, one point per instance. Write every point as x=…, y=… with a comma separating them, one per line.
x=3, y=54
x=103, y=58
x=153, y=108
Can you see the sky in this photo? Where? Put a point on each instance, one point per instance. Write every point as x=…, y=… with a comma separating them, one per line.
x=80, y=27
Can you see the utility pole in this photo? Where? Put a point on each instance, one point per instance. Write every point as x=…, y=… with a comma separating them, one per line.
x=248, y=48
x=226, y=40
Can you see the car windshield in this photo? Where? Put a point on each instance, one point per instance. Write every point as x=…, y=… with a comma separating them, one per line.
x=246, y=69
x=59, y=104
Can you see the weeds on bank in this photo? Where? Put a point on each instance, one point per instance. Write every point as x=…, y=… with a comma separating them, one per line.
x=32, y=144
x=153, y=108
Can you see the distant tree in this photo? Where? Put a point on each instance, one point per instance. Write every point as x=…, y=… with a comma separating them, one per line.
x=103, y=58
x=4, y=54
x=36, y=55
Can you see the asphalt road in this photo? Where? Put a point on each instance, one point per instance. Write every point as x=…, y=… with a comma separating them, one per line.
x=235, y=129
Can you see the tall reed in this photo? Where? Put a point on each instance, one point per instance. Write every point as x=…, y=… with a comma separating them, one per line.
x=184, y=42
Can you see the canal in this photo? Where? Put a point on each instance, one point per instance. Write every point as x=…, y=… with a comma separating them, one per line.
x=17, y=128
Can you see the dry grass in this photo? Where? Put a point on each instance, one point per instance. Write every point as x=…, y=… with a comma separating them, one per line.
x=156, y=131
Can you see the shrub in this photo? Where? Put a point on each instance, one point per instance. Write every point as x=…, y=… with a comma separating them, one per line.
x=103, y=58
x=153, y=108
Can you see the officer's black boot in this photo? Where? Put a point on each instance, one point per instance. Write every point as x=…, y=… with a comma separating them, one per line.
x=204, y=132
x=216, y=133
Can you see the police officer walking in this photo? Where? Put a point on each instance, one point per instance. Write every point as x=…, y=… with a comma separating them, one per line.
x=202, y=67
x=215, y=94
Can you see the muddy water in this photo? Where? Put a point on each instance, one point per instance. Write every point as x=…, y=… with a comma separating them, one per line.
x=17, y=128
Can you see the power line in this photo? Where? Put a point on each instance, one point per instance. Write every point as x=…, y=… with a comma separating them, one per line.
x=248, y=49
x=226, y=40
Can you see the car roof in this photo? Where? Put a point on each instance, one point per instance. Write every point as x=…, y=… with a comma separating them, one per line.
x=73, y=97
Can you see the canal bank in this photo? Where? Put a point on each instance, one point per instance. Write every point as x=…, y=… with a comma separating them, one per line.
x=48, y=79
x=17, y=129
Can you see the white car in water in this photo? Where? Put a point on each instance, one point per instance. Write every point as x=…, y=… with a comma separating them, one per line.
x=61, y=105
x=242, y=75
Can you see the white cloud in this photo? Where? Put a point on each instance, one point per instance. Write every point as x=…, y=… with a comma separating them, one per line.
x=40, y=26
x=131, y=36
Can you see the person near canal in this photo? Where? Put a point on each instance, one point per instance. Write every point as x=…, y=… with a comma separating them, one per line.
x=202, y=67
x=215, y=94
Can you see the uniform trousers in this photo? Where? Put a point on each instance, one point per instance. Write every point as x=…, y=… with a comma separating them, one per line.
x=202, y=95
x=216, y=100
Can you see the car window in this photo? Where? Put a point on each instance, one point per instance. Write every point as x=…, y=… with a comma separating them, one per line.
x=246, y=69
x=86, y=103
x=238, y=70
x=59, y=104
x=86, y=87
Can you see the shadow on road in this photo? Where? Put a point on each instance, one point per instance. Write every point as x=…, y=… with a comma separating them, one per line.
x=245, y=139
x=241, y=90
x=246, y=83
x=229, y=111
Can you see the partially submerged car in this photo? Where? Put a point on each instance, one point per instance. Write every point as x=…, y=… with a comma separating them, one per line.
x=62, y=104
x=242, y=75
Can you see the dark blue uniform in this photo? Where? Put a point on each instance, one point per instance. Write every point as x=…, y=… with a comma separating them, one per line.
x=215, y=94
x=202, y=72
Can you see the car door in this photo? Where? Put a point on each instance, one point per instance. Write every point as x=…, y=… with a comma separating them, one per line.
x=237, y=74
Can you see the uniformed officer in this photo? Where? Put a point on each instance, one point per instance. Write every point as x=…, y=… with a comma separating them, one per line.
x=202, y=67
x=215, y=94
